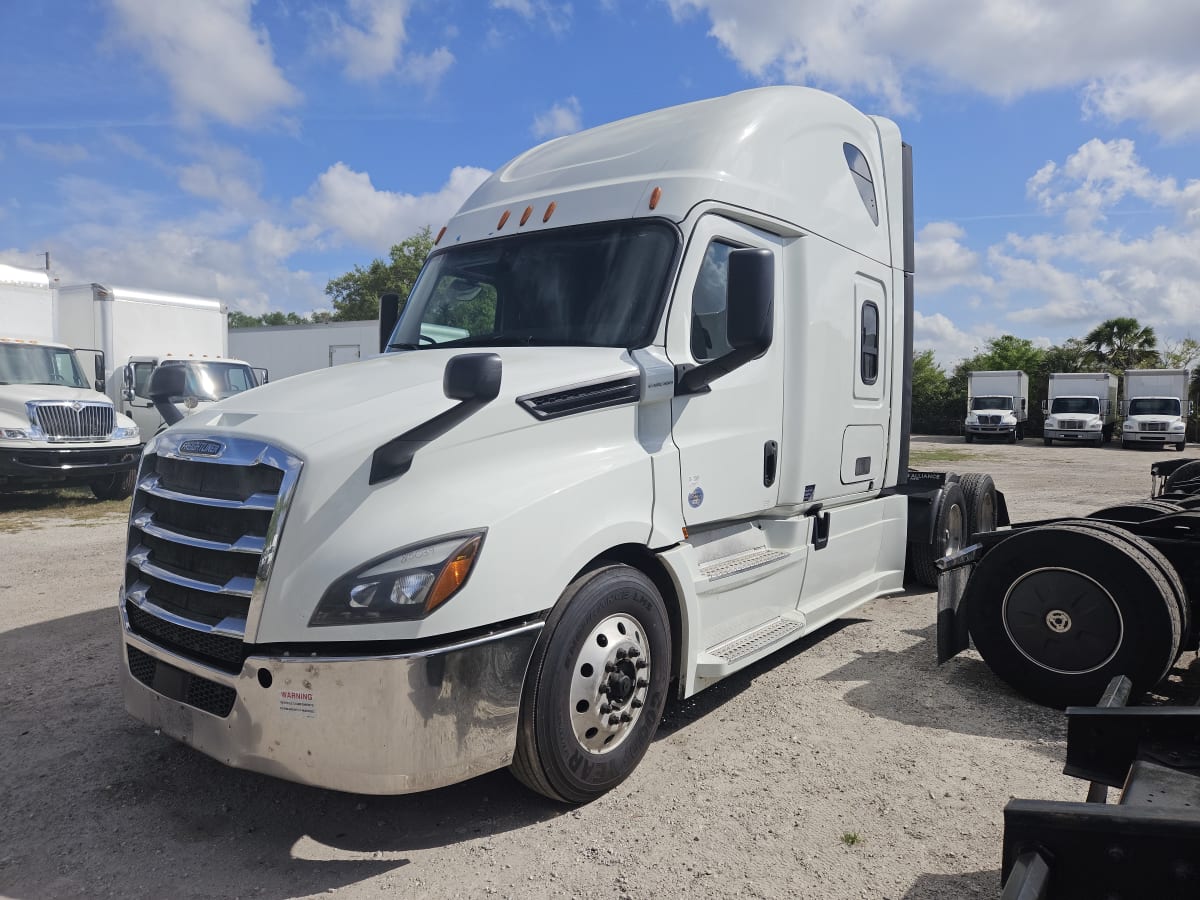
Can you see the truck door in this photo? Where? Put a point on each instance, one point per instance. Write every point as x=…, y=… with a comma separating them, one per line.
x=138, y=405
x=729, y=439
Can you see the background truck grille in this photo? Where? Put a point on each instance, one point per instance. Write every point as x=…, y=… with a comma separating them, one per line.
x=200, y=535
x=66, y=420
x=1071, y=424
x=1154, y=426
x=989, y=420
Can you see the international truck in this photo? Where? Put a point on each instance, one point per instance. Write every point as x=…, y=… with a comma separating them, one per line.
x=1081, y=407
x=1156, y=408
x=138, y=329
x=673, y=441
x=55, y=429
x=997, y=405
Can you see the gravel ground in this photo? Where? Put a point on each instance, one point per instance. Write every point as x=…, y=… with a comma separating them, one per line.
x=847, y=766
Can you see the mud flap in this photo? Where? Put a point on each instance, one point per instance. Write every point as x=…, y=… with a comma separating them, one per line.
x=953, y=579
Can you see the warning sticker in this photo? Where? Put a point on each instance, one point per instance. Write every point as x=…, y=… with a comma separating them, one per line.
x=298, y=702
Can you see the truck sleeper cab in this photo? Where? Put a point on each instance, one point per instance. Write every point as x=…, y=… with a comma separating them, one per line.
x=662, y=434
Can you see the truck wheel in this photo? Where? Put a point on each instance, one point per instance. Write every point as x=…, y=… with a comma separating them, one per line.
x=114, y=487
x=1178, y=480
x=1139, y=511
x=1047, y=441
x=1020, y=431
x=979, y=494
x=1012, y=436
x=1181, y=446
x=596, y=686
x=969, y=438
x=1125, y=445
x=1057, y=611
x=949, y=536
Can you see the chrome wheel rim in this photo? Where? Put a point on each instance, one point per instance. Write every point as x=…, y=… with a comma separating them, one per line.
x=609, y=683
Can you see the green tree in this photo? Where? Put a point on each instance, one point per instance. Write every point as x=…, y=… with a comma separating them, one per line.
x=935, y=410
x=355, y=295
x=243, y=320
x=1181, y=354
x=1122, y=343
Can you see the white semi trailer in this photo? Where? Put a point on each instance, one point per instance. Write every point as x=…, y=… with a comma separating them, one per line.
x=997, y=405
x=1081, y=406
x=1156, y=408
x=55, y=430
x=139, y=329
x=673, y=440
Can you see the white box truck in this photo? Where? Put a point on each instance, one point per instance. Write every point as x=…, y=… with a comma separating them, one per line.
x=55, y=430
x=1156, y=408
x=1080, y=406
x=673, y=440
x=997, y=405
x=138, y=329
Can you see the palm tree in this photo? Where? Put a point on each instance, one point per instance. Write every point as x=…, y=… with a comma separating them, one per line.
x=1122, y=343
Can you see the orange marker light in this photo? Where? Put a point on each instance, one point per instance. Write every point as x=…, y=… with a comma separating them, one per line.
x=549, y=212
x=655, y=196
x=441, y=234
x=525, y=215
x=503, y=219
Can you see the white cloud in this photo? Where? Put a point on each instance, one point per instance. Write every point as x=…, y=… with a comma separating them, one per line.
x=557, y=16
x=219, y=66
x=370, y=42
x=346, y=204
x=949, y=342
x=944, y=262
x=56, y=152
x=1133, y=61
x=564, y=117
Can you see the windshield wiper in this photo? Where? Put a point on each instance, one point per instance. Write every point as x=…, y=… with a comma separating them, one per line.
x=404, y=346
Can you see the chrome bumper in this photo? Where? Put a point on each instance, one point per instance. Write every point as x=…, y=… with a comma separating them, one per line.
x=368, y=725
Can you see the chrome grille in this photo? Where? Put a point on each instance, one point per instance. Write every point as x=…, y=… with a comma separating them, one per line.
x=1153, y=426
x=989, y=420
x=70, y=420
x=1071, y=424
x=202, y=534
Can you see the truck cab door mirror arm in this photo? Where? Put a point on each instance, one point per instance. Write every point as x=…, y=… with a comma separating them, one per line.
x=167, y=382
x=750, y=305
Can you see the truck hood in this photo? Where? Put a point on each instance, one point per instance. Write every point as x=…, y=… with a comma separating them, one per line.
x=347, y=411
x=992, y=412
x=13, y=398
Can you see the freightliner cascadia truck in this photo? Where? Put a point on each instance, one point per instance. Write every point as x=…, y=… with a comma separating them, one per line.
x=672, y=440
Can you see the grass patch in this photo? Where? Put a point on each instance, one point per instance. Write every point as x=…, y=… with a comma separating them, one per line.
x=928, y=456
x=29, y=509
x=851, y=838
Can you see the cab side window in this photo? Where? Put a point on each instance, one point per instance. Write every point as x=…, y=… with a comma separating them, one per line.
x=710, y=335
x=869, y=342
x=141, y=379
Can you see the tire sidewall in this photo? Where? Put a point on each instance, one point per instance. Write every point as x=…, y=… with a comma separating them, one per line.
x=576, y=773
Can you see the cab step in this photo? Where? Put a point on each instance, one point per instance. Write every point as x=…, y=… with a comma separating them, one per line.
x=729, y=655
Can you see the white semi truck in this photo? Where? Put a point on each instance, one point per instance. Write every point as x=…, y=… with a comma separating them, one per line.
x=1156, y=408
x=673, y=441
x=1081, y=407
x=997, y=405
x=55, y=430
x=138, y=329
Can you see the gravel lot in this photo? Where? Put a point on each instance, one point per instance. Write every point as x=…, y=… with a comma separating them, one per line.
x=848, y=766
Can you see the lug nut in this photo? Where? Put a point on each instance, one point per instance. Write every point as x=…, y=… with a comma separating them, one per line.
x=614, y=720
x=642, y=682
x=609, y=667
x=636, y=703
x=621, y=653
x=641, y=664
x=605, y=708
x=626, y=717
x=634, y=652
x=603, y=689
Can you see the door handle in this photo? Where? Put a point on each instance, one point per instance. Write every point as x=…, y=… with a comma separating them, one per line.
x=770, y=462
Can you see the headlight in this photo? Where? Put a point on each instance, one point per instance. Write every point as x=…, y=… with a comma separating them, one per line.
x=16, y=434
x=120, y=434
x=1129, y=426
x=1177, y=426
x=1094, y=426
x=408, y=584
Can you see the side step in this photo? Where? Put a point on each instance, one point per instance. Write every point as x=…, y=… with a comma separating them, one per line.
x=729, y=656
x=741, y=562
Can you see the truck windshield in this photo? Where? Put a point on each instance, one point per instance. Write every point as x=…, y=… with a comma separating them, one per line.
x=216, y=381
x=587, y=286
x=1076, y=405
x=35, y=364
x=1154, y=406
x=992, y=403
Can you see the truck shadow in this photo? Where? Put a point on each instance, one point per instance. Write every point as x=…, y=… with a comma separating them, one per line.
x=95, y=802
x=965, y=884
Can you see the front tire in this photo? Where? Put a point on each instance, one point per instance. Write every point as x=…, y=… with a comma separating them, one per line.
x=1047, y=441
x=114, y=487
x=596, y=687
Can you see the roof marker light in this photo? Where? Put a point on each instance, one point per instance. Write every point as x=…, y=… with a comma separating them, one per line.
x=655, y=196
x=525, y=215
x=503, y=219
x=549, y=211
x=441, y=234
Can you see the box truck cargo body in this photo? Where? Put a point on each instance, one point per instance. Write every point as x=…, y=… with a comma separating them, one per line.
x=56, y=430
x=286, y=350
x=139, y=329
x=1081, y=406
x=672, y=440
x=1156, y=407
x=997, y=405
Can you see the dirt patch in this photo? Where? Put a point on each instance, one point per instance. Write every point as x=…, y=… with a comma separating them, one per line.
x=845, y=766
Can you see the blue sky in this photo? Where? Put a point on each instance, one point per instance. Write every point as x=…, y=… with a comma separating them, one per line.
x=253, y=150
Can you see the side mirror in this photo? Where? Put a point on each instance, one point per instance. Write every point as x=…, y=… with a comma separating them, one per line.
x=750, y=311
x=167, y=382
x=98, y=366
x=389, y=314
x=261, y=376
x=472, y=377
